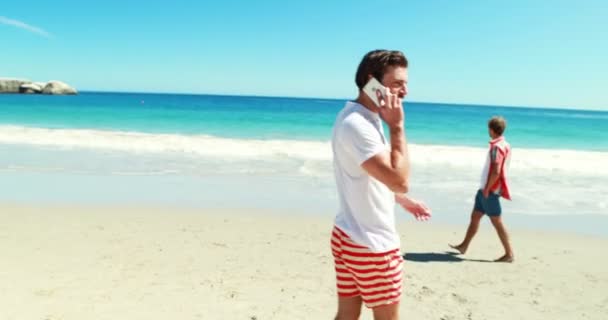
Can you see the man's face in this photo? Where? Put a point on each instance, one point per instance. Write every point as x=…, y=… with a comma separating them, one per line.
x=395, y=79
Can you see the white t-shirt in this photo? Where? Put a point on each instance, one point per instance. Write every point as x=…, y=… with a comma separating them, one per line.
x=367, y=206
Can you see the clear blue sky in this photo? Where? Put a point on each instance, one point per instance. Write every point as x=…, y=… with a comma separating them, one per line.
x=524, y=53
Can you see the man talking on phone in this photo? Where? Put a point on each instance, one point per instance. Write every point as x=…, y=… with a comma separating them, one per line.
x=372, y=173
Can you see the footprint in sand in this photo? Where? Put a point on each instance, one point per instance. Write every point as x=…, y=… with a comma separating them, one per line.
x=423, y=292
x=426, y=291
x=590, y=277
x=507, y=294
x=45, y=292
x=458, y=298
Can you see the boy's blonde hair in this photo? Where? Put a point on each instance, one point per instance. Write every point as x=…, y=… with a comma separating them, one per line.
x=498, y=125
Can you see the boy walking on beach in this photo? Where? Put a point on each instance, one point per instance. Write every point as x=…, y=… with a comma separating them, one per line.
x=369, y=171
x=493, y=186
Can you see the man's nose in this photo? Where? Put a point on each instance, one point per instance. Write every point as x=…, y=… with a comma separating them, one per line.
x=403, y=91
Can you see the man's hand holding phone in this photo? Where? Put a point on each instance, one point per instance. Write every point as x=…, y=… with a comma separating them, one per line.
x=390, y=105
x=392, y=110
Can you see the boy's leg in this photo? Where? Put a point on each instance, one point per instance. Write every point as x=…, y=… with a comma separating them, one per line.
x=494, y=211
x=349, y=308
x=504, y=239
x=476, y=215
x=471, y=231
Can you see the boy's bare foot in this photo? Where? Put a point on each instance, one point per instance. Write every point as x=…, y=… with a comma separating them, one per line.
x=505, y=258
x=459, y=247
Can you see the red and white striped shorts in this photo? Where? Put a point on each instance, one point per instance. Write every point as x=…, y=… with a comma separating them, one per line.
x=376, y=277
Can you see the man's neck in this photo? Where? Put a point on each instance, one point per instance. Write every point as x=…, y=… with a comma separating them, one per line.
x=365, y=101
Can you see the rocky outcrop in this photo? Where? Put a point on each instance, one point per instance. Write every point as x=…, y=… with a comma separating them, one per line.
x=58, y=87
x=8, y=85
x=25, y=86
x=31, y=88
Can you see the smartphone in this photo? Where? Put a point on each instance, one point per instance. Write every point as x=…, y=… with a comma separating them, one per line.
x=373, y=88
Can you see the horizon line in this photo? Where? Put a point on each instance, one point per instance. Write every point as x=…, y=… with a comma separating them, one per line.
x=342, y=99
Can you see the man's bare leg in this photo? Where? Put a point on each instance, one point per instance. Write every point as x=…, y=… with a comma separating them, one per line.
x=504, y=239
x=349, y=308
x=387, y=312
x=471, y=231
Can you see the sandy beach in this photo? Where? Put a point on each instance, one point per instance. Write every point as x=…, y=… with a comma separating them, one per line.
x=186, y=161
x=63, y=262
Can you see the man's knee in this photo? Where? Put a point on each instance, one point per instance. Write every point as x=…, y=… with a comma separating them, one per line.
x=388, y=312
x=349, y=308
x=348, y=315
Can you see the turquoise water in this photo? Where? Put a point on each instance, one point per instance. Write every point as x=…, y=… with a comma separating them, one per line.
x=297, y=119
x=260, y=152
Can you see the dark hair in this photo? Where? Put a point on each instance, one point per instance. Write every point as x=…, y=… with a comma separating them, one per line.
x=375, y=63
x=497, y=124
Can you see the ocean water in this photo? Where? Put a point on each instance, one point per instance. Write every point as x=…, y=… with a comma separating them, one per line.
x=296, y=119
x=233, y=151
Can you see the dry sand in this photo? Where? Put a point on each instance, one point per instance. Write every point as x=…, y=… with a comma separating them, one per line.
x=137, y=263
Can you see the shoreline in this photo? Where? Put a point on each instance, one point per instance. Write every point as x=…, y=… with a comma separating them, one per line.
x=593, y=226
